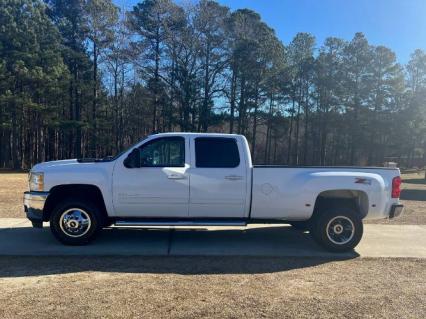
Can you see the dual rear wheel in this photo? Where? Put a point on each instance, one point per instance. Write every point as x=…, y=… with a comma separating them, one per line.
x=336, y=229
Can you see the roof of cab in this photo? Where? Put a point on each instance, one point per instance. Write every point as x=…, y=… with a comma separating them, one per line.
x=196, y=134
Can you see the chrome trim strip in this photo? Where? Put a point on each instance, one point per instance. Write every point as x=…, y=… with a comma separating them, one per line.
x=36, y=195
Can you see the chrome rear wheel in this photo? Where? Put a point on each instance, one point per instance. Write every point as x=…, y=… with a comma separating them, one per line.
x=340, y=230
x=337, y=229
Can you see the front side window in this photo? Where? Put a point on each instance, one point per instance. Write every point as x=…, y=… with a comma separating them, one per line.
x=216, y=152
x=163, y=152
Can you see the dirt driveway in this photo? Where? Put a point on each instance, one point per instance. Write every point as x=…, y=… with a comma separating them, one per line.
x=220, y=287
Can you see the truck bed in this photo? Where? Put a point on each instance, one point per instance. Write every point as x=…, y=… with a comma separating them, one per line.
x=290, y=192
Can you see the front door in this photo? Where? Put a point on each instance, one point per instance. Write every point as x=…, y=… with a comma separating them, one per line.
x=160, y=186
x=218, y=179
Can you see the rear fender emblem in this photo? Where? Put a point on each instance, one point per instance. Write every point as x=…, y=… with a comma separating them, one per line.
x=362, y=180
x=267, y=188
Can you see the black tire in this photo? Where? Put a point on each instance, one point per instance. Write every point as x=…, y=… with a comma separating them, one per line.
x=328, y=223
x=300, y=225
x=75, y=208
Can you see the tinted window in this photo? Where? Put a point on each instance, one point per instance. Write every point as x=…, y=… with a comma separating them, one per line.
x=216, y=152
x=163, y=152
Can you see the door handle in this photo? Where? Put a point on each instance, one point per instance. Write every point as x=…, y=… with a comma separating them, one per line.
x=233, y=177
x=176, y=176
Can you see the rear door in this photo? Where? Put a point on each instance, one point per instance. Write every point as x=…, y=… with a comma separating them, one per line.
x=218, y=186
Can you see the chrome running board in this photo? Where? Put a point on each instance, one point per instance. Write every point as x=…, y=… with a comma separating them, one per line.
x=168, y=222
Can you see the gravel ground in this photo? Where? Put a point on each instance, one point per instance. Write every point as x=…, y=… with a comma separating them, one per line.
x=217, y=287
x=223, y=287
x=12, y=188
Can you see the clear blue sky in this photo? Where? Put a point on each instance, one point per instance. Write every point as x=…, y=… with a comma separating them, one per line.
x=397, y=24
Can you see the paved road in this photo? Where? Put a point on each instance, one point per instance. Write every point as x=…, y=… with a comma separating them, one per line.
x=18, y=238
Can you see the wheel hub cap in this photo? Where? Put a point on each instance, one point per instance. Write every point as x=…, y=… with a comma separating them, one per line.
x=340, y=230
x=75, y=222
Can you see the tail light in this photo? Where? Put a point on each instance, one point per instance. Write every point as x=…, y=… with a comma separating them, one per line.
x=396, y=187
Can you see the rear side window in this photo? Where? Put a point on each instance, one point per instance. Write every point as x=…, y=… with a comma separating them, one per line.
x=216, y=152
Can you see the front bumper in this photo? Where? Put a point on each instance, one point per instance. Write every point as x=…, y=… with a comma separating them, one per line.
x=33, y=206
x=396, y=210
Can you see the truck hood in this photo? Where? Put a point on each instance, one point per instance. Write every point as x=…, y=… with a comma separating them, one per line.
x=41, y=167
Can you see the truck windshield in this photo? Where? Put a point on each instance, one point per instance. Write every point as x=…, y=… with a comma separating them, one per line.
x=113, y=158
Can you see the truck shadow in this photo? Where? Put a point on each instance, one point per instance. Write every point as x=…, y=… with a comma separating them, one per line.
x=31, y=252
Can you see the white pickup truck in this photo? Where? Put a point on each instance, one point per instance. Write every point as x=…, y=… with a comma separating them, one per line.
x=191, y=179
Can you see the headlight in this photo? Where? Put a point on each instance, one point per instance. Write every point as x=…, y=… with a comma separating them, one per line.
x=36, y=181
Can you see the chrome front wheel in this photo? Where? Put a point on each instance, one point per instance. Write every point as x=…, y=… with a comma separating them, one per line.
x=75, y=221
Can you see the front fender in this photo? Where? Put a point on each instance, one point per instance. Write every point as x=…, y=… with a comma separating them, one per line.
x=97, y=174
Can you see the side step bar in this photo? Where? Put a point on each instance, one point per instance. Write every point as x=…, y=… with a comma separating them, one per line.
x=168, y=222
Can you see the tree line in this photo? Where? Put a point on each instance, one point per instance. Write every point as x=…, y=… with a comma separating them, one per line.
x=82, y=78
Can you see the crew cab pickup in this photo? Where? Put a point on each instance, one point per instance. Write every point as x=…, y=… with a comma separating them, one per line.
x=192, y=179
